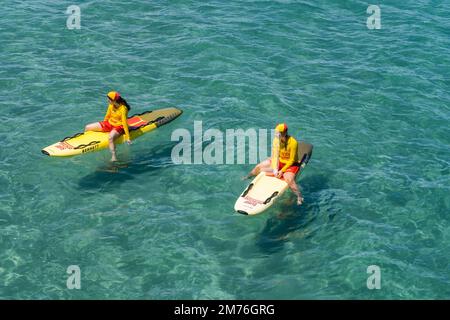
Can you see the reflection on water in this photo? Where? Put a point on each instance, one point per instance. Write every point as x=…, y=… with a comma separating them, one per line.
x=109, y=175
x=290, y=218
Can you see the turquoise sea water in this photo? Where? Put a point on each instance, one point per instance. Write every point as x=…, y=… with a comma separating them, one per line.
x=375, y=104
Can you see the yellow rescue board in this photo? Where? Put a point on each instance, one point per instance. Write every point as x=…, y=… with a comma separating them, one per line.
x=90, y=141
x=262, y=192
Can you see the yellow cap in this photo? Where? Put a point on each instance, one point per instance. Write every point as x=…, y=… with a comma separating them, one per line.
x=113, y=95
x=282, y=127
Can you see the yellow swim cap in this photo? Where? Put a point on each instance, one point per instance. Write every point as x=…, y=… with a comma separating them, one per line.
x=282, y=127
x=113, y=95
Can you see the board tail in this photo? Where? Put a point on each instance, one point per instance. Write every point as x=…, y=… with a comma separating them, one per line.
x=304, y=153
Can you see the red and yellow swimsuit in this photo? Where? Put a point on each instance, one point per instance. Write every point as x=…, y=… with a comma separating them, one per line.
x=288, y=159
x=116, y=118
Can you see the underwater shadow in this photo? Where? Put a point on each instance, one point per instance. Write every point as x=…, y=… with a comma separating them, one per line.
x=109, y=175
x=289, y=217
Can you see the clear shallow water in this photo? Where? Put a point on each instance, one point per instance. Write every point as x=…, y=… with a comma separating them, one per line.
x=375, y=104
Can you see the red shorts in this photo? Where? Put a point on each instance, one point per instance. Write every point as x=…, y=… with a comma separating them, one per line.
x=107, y=127
x=294, y=168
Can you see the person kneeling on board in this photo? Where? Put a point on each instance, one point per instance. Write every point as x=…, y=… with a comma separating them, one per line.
x=115, y=121
x=286, y=157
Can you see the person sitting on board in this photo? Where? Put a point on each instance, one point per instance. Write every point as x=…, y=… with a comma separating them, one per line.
x=115, y=121
x=287, y=159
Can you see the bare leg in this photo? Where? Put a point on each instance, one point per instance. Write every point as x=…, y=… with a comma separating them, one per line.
x=112, y=147
x=289, y=177
x=263, y=166
x=93, y=127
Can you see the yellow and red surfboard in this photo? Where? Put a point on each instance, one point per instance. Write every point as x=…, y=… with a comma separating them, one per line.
x=90, y=141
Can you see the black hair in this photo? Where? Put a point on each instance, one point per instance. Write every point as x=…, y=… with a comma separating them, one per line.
x=124, y=102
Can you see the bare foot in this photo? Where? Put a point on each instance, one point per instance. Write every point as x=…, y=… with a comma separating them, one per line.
x=299, y=201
